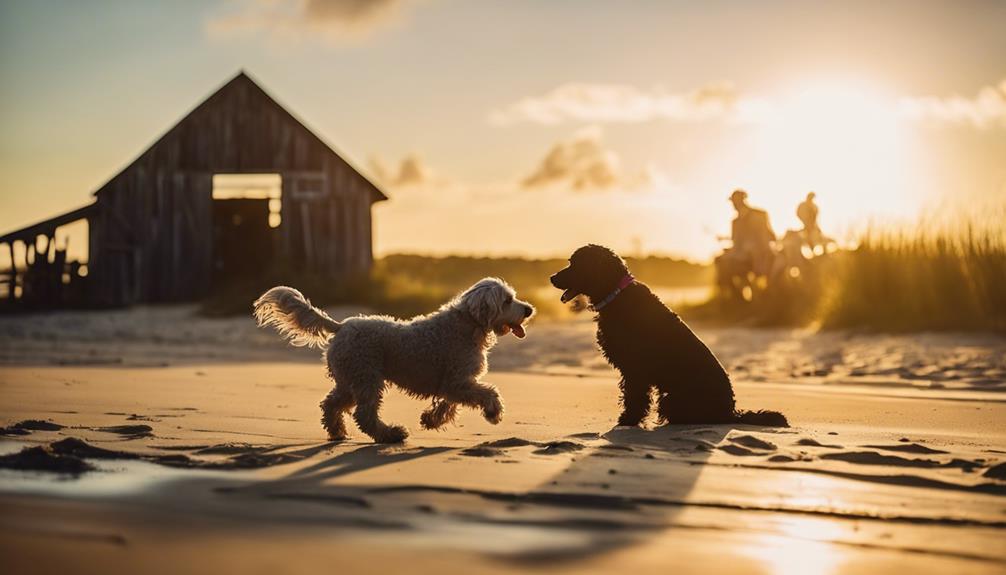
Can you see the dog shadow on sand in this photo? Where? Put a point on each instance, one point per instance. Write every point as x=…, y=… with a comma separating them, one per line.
x=619, y=488
x=609, y=491
x=622, y=489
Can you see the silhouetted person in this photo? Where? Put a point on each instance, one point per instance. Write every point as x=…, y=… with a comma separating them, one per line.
x=807, y=212
x=752, y=236
x=751, y=233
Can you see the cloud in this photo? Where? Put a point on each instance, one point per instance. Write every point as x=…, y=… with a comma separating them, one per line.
x=333, y=21
x=620, y=103
x=985, y=110
x=624, y=103
x=412, y=171
x=584, y=163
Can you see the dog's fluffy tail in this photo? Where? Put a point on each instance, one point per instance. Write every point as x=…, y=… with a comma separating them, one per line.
x=762, y=417
x=293, y=316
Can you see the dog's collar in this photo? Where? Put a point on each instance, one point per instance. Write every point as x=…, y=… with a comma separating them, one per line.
x=625, y=282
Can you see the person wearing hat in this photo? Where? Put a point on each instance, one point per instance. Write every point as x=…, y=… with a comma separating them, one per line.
x=752, y=237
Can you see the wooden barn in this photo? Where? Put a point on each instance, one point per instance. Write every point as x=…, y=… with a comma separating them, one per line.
x=169, y=226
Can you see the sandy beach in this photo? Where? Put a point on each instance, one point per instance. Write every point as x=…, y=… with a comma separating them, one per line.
x=817, y=189
x=202, y=452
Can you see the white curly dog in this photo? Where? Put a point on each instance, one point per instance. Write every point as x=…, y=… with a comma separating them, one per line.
x=441, y=355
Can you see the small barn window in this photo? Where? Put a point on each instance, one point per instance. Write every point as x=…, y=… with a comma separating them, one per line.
x=251, y=186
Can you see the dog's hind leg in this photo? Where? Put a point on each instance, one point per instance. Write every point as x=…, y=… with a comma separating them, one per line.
x=368, y=403
x=338, y=401
x=479, y=396
x=439, y=414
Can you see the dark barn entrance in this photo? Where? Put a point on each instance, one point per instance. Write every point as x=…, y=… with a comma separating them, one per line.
x=242, y=238
x=246, y=218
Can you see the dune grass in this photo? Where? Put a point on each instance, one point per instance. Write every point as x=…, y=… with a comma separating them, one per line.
x=909, y=280
x=897, y=279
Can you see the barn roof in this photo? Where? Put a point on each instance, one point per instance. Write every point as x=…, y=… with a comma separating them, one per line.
x=47, y=227
x=242, y=80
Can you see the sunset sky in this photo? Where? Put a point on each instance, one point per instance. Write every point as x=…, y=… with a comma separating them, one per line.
x=519, y=127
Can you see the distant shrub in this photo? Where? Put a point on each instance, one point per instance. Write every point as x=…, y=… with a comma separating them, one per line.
x=459, y=272
x=406, y=285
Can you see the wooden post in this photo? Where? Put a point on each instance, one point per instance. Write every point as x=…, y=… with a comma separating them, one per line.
x=13, y=271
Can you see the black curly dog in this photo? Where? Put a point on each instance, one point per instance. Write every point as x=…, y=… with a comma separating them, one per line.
x=652, y=347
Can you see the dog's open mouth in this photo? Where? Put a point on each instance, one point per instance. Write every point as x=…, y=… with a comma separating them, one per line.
x=568, y=295
x=517, y=329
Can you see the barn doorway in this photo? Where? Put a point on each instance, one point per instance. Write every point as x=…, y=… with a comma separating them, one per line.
x=246, y=213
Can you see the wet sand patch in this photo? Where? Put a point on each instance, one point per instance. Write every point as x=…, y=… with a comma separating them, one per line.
x=240, y=457
x=40, y=458
x=28, y=425
x=129, y=431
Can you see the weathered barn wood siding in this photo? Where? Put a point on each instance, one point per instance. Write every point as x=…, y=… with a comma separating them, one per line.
x=152, y=239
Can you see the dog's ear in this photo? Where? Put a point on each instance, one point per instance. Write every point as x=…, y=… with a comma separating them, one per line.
x=483, y=301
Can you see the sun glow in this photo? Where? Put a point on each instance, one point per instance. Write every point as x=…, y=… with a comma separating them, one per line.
x=843, y=140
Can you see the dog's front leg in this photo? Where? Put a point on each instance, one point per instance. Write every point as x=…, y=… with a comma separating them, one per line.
x=479, y=396
x=635, y=402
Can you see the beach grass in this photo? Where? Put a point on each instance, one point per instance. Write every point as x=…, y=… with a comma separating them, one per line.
x=914, y=279
x=905, y=278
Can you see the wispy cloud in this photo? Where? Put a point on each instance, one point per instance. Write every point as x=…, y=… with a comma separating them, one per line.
x=625, y=103
x=332, y=21
x=584, y=163
x=620, y=103
x=986, y=109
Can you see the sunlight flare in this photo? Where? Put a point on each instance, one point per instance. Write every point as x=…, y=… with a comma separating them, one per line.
x=844, y=140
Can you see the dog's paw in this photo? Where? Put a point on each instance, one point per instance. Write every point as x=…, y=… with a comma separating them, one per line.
x=428, y=420
x=438, y=415
x=332, y=436
x=493, y=410
x=432, y=420
x=393, y=434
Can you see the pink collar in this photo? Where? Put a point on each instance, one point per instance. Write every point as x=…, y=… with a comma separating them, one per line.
x=625, y=282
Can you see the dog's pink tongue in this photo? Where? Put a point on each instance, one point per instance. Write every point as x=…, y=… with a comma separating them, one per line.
x=518, y=330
